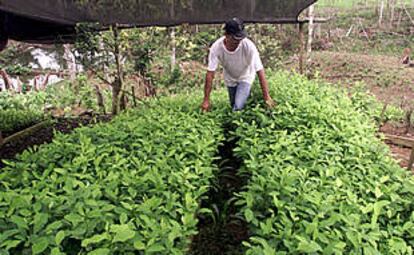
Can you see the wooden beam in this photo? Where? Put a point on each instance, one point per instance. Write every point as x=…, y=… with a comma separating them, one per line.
x=399, y=140
x=406, y=142
x=315, y=20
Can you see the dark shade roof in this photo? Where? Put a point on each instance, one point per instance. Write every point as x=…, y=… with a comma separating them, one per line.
x=44, y=21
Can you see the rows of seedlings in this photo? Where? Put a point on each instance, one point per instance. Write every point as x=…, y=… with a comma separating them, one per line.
x=321, y=182
x=308, y=176
x=44, y=134
x=131, y=186
x=20, y=111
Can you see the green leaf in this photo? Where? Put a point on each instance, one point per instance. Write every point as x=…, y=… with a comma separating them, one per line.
x=155, y=248
x=6, y=235
x=40, y=245
x=59, y=237
x=368, y=250
x=56, y=251
x=139, y=245
x=123, y=218
x=249, y=215
x=74, y=218
x=10, y=244
x=40, y=220
x=378, y=192
x=19, y=221
x=308, y=246
x=122, y=233
x=353, y=238
x=53, y=226
x=377, y=210
x=95, y=239
x=100, y=251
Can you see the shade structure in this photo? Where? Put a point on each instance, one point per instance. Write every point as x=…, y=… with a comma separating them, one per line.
x=43, y=21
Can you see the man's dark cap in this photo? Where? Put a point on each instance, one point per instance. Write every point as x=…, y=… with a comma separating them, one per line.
x=235, y=28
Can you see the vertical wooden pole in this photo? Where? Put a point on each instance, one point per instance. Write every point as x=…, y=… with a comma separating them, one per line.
x=310, y=36
x=173, y=48
x=411, y=162
x=134, y=96
x=302, y=48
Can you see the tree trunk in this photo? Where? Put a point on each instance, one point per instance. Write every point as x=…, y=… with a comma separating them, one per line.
x=70, y=62
x=392, y=12
x=19, y=85
x=134, y=96
x=381, y=13
x=6, y=78
x=123, y=102
x=117, y=85
x=45, y=82
x=116, y=89
x=100, y=99
x=408, y=115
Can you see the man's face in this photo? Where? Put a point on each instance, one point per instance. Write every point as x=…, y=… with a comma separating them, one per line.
x=231, y=42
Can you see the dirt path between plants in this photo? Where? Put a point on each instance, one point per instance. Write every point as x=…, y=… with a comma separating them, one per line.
x=223, y=232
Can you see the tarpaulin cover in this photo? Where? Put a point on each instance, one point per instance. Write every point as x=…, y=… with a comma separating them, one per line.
x=47, y=20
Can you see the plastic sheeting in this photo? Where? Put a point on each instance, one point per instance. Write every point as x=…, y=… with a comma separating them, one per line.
x=50, y=20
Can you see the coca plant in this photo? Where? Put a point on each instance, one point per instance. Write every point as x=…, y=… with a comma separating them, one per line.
x=132, y=186
x=321, y=182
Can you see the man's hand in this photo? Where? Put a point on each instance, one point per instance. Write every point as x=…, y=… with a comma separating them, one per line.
x=205, y=106
x=265, y=89
x=270, y=103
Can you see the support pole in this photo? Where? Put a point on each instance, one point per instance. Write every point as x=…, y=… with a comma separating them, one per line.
x=302, y=48
x=310, y=37
x=173, y=48
x=411, y=161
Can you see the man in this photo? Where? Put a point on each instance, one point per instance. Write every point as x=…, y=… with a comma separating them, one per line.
x=241, y=61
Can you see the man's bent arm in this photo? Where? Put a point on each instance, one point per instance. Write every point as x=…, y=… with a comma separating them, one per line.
x=264, y=85
x=208, y=85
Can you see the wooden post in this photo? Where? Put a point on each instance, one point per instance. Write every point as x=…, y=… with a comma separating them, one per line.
x=310, y=36
x=411, y=161
x=302, y=48
x=134, y=96
x=173, y=48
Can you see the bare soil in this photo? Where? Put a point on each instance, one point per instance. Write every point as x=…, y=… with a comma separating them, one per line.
x=385, y=77
x=223, y=232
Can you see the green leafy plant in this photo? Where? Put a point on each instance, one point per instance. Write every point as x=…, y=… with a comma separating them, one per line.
x=16, y=120
x=321, y=182
x=131, y=186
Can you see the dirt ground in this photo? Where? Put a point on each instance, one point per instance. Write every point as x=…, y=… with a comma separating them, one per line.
x=385, y=77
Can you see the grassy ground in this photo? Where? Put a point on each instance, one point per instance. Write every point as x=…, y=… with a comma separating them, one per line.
x=354, y=26
x=352, y=3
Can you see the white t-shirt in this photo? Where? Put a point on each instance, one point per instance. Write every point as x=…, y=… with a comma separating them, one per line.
x=240, y=65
